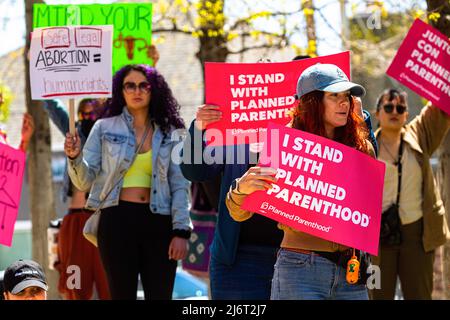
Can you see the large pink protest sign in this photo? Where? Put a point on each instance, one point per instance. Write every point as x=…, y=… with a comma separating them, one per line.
x=422, y=64
x=324, y=188
x=253, y=94
x=12, y=164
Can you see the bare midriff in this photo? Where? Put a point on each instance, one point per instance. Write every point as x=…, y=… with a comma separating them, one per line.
x=78, y=199
x=135, y=194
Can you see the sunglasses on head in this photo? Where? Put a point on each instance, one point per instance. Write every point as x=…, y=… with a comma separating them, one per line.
x=130, y=87
x=389, y=108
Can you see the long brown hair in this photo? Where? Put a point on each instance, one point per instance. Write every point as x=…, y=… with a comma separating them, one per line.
x=308, y=116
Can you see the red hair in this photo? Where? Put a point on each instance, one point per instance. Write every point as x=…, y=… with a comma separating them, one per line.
x=308, y=116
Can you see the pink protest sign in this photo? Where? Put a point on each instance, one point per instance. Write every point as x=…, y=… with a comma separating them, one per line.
x=422, y=64
x=324, y=188
x=252, y=94
x=12, y=164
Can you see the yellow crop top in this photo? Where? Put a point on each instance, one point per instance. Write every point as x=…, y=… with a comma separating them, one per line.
x=140, y=172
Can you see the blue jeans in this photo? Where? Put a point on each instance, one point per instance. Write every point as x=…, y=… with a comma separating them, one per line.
x=300, y=276
x=249, y=278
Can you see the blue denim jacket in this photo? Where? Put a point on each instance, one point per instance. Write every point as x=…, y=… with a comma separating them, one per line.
x=60, y=117
x=108, y=153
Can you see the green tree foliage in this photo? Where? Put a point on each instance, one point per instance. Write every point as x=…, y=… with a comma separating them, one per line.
x=207, y=21
x=6, y=98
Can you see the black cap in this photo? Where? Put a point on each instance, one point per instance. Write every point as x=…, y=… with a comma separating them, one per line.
x=23, y=274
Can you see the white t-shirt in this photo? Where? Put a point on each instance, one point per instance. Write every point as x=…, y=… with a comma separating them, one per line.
x=411, y=193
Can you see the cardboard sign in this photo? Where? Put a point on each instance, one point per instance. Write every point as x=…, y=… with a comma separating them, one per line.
x=12, y=165
x=422, y=63
x=71, y=61
x=324, y=188
x=132, y=26
x=252, y=94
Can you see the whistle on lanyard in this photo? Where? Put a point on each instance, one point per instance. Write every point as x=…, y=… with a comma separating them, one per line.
x=352, y=269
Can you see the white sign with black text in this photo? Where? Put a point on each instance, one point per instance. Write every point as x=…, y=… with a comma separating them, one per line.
x=71, y=61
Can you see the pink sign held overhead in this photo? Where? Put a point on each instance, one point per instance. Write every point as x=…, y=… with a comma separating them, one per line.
x=12, y=164
x=324, y=188
x=252, y=94
x=422, y=63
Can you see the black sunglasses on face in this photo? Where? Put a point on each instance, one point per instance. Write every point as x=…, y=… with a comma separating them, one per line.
x=389, y=108
x=131, y=87
x=88, y=115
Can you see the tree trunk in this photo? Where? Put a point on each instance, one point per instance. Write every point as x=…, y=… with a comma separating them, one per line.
x=308, y=9
x=213, y=42
x=443, y=25
x=39, y=171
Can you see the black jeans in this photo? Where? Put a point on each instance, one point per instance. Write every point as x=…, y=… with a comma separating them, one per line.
x=134, y=241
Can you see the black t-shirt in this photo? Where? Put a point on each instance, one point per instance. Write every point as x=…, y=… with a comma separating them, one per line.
x=260, y=230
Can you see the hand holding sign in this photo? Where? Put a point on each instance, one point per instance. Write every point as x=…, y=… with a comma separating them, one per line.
x=357, y=105
x=255, y=179
x=153, y=53
x=27, y=130
x=72, y=145
x=207, y=114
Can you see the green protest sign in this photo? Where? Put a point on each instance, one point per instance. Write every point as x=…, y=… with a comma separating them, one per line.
x=132, y=26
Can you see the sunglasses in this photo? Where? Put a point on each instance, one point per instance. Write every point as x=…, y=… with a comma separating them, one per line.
x=131, y=87
x=88, y=115
x=389, y=108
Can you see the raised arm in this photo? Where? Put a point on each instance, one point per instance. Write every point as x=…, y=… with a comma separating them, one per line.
x=84, y=166
x=58, y=114
x=430, y=127
x=198, y=160
x=27, y=131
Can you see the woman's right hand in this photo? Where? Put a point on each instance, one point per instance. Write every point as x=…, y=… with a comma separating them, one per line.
x=256, y=178
x=72, y=145
x=207, y=114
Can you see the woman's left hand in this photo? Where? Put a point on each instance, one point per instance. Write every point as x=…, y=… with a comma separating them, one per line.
x=178, y=248
x=357, y=102
x=27, y=127
x=27, y=131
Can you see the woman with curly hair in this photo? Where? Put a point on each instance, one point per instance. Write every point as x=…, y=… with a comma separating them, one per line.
x=144, y=224
x=309, y=267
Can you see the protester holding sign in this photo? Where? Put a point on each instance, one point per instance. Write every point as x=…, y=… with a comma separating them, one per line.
x=242, y=254
x=27, y=131
x=73, y=248
x=11, y=172
x=144, y=225
x=309, y=267
x=406, y=150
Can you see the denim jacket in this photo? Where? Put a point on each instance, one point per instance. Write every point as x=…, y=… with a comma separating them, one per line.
x=108, y=153
x=60, y=117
